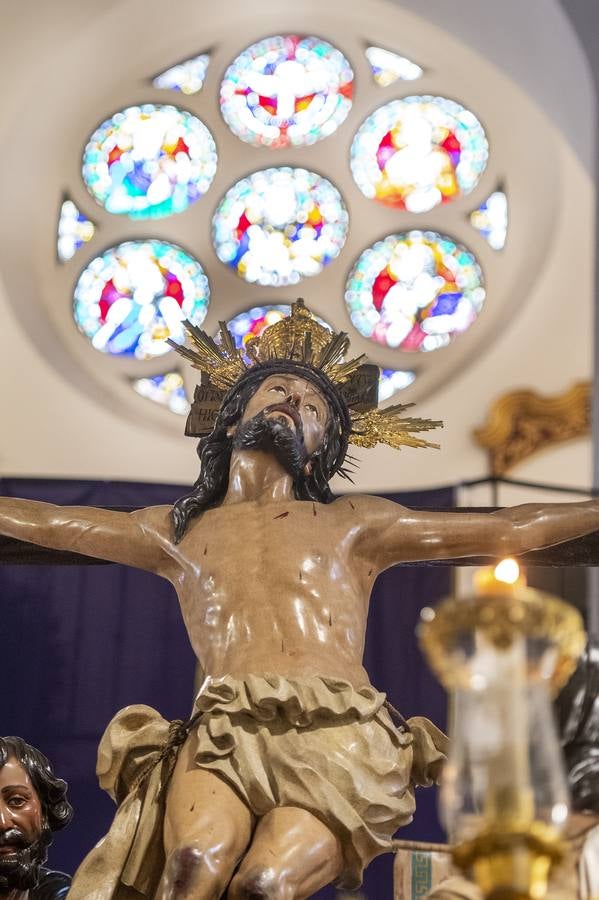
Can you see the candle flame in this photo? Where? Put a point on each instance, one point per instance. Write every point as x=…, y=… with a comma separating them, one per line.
x=507, y=571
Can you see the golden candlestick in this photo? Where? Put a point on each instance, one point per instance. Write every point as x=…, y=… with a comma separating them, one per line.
x=502, y=652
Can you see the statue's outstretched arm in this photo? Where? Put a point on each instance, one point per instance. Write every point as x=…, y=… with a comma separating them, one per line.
x=140, y=538
x=392, y=533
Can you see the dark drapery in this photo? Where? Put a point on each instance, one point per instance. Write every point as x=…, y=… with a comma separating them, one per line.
x=78, y=643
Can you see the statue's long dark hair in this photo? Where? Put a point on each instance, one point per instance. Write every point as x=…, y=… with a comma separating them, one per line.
x=577, y=710
x=52, y=791
x=215, y=449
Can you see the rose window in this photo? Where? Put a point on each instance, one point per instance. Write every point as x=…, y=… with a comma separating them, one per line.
x=403, y=275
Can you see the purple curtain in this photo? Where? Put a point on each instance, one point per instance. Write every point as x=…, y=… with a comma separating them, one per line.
x=80, y=642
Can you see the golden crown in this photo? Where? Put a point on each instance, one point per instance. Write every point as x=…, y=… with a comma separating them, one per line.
x=301, y=339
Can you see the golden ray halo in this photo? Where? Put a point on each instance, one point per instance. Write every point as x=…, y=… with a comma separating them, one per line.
x=300, y=338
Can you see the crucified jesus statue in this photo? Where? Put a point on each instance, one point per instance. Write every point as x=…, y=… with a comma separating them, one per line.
x=291, y=773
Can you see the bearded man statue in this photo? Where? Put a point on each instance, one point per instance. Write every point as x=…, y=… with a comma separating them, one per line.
x=33, y=805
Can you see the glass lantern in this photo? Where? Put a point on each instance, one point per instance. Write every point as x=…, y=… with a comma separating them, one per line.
x=504, y=798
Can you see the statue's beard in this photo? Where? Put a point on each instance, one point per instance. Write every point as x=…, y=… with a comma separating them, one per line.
x=274, y=435
x=20, y=869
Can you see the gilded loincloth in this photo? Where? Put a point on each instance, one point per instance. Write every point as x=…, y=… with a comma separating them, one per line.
x=316, y=743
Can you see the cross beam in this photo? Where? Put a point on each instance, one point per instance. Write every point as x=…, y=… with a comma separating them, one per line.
x=583, y=551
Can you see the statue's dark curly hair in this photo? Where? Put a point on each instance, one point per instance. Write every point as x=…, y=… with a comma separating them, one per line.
x=52, y=791
x=215, y=449
x=577, y=712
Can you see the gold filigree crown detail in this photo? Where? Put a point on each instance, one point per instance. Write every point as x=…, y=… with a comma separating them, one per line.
x=300, y=338
x=297, y=338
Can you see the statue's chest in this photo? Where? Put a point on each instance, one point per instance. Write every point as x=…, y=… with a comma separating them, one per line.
x=237, y=542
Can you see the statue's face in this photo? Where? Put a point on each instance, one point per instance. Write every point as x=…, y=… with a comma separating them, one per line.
x=21, y=826
x=294, y=400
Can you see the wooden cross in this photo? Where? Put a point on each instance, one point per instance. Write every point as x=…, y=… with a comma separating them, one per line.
x=583, y=551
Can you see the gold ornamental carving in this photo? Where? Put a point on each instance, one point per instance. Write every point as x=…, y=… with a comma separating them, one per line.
x=523, y=422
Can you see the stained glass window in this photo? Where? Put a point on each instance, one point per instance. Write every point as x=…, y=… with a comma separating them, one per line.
x=251, y=323
x=187, y=77
x=149, y=161
x=491, y=219
x=167, y=390
x=414, y=291
x=74, y=230
x=388, y=67
x=393, y=380
x=280, y=225
x=287, y=90
x=418, y=152
x=131, y=298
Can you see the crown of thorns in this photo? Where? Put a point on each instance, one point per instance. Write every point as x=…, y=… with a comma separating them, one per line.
x=300, y=341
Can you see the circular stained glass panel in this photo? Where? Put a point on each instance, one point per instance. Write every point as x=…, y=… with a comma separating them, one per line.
x=280, y=225
x=393, y=380
x=414, y=291
x=250, y=324
x=287, y=90
x=149, y=161
x=167, y=390
x=419, y=152
x=131, y=298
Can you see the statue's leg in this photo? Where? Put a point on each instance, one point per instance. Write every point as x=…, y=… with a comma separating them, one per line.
x=292, y=855
x=206, y=831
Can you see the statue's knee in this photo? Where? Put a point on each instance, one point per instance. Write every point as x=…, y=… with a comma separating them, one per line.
x=259, y=883
x=184, y=868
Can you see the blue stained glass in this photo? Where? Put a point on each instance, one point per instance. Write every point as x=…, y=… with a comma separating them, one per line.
x=250, y=324
x=74, y=230
x=446, y=304
x=166, y=389
x=393, y=380
x=388, y=67
x=149, y=161
x=418, y=152
x=414, y=291
x=287, y=90
x=280, y=225
x=134, y=296
x=491, y=219
x=187, y=77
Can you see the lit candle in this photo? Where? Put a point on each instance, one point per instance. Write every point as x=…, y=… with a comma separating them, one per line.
x=504, y=579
